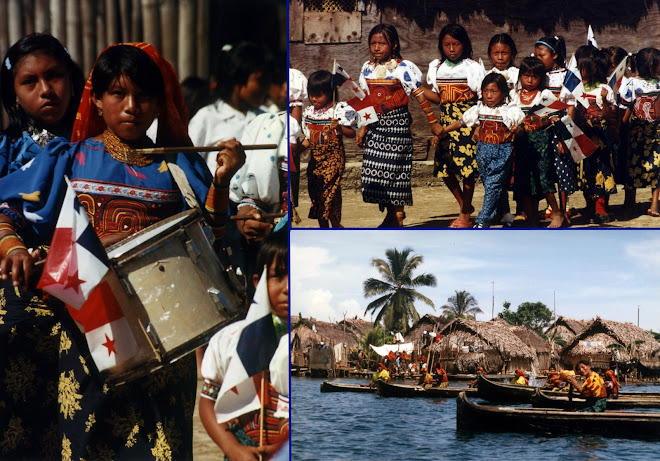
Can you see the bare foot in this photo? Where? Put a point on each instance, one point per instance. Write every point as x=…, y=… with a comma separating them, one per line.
x=557, y=221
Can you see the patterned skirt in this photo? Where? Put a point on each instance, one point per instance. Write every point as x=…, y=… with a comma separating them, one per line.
x=149, y=418
x=29, y=341
x=597, y=177
x=326, y=166
x=644, y=154
x=387, y=161
x=535, y=170
x=456, y=152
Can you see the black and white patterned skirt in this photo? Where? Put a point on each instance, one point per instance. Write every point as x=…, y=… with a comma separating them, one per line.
x=387, y=161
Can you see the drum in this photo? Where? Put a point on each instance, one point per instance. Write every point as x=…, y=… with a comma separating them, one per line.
x=173, y=290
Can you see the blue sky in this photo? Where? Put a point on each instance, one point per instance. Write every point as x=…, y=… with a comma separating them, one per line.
x=599, y=272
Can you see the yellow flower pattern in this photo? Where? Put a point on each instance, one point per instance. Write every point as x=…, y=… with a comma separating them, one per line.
x=68, y=396
x=644, y=164
x=161, y=450
x=15, y=436
x=456, y=152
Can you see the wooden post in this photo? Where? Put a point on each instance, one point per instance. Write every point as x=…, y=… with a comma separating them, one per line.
x=41, y=16
x=168, y=29
x=186, y=61
x=100, y=39
x=203, y=67
x=58, y=20
x=111, y=26
x=73, y=36
x=15, y=21
x=135, y=32
x=28, y=17
x=88, y=16
x=151, y=22
x=124, y=20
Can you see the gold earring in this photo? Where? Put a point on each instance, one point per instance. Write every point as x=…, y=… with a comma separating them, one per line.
x=100, y=112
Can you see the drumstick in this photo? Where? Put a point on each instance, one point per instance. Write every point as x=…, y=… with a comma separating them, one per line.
x=186, y=149
x=263, y=216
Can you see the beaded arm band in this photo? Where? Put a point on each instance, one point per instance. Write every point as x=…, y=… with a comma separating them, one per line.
x=217, y=204
x=10, y=241
x=425, y=104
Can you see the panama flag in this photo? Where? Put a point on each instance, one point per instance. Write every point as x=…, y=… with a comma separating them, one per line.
x=340, y=78
x=77, y=271
x=549, y=104
x=573, y=83
x=577, y=142
x=591, y=39
x=250, y=353
x=365, y=109
x=616, y=77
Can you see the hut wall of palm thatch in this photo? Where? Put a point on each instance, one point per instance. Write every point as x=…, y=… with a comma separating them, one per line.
x=330, y=334
x=492, y=345
x=536, y=342
x=428, y=323
x=605, y=341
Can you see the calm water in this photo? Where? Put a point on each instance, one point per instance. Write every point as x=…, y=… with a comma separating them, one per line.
x=350, y=426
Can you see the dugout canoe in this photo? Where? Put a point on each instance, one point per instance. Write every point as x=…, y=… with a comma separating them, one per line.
x=404, y=390
x=328, y=386
x=542, y=399
x=471, y=416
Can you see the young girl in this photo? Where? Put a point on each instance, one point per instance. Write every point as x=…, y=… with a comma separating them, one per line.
x=642, y=96
x=552, y=52
x=41, y=88
x=535, y=170
x=239, y=436
x=456, y=81
x=324, y=124
x=496, y=124
x=593, y=121
x=123, y=192
x=387, y=163
x=502, y=52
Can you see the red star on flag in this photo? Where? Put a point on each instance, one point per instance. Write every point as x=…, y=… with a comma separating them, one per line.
x=110, y=344
x=72, y=281
x=367, y=116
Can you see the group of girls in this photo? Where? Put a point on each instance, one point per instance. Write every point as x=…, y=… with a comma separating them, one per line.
x=484, y=127
x=55, y=405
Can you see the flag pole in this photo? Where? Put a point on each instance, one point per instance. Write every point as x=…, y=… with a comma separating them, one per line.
x=261, y=415
x=334, y=90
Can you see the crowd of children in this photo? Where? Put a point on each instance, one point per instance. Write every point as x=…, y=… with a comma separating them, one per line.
x=487, y=123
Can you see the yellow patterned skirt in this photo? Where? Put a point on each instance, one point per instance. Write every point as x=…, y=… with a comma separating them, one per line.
x=456, y=152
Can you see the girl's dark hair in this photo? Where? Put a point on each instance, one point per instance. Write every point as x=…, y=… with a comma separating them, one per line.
x=236, y=63
x=556, y=44
x=535, y=66
x=497, y=79
x=320, y=82
x=50, y=46
x=459, y=33
x=275, y=247
x=615, y=54
x=196, y=93
x=592, y=63
x=647, y=61
x=391, y=37
x=132, y=63
x=504, y=39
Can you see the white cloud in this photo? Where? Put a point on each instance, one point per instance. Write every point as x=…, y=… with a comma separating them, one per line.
x=307, y=262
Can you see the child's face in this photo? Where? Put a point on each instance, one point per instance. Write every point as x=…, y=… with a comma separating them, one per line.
x=530, y=81
x=319, y=100
x=278, y=290
x=546, y=55
x=380, y=48
x=126, y=109
x=501, y=56
x=253, y=93
x=452, y=48
x=43, y=88
x=492, y=95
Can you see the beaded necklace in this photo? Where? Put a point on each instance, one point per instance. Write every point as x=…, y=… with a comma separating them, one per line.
x=124, y=153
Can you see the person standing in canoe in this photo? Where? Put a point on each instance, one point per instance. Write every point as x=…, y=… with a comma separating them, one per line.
x=593, y=389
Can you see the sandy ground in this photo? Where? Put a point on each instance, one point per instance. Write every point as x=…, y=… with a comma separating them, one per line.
x=435, y=207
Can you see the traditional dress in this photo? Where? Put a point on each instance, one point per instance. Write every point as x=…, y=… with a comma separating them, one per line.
x=565, y=167
x=494, y=151
x=387, y=161
x=643, y=100
x=598, y=175
x=327, y=161
x=510, y=74
x=535, y=174
x=594, y=391
x=459, y=86
x=150, y=417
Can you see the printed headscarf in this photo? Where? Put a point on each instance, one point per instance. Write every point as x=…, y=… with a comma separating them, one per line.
x=173, y=118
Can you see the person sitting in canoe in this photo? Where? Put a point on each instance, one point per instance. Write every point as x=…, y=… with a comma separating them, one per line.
x=553, y=382
x=612, y=385
x=381, y=374
x=440, y=375
x=519, y=378
x=426, y=380
x=480, y=371
x=593, y=388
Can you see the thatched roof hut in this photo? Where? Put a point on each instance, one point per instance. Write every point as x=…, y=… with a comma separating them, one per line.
x=428, y=323
x=328, y=333
x=359, y=327
x=536, y=342
x=493, y=345
x=566, y=329
x=604, y=342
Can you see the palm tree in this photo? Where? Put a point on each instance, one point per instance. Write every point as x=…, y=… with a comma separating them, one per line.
x=461, y=305
x=396, y=306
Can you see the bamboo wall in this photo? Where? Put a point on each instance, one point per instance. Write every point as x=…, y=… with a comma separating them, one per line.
x=419, y=24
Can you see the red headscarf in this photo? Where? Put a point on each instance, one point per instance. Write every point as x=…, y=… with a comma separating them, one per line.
x=173, y=118
x=612, y=376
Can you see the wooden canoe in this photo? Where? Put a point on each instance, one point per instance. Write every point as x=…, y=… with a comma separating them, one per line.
x=471, y=416
x=328, y=386
x=542, y=399
x=404, y=390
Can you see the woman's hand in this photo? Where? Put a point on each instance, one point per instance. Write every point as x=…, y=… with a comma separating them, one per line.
x=334, y=123
x=437, y=129
x=253, y=228
x=19, y=263
x=359, y=136
x=561, y=148
x=229, y=160
x=434, y=141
